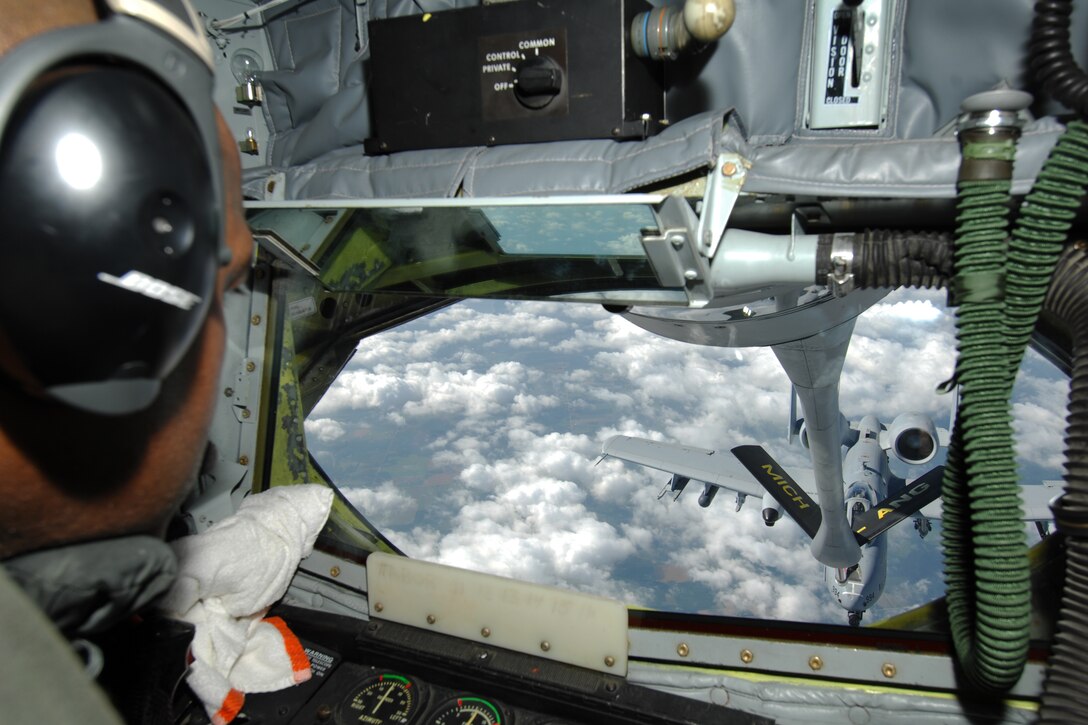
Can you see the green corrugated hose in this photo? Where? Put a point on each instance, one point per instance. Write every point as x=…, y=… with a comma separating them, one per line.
x=1000, y=285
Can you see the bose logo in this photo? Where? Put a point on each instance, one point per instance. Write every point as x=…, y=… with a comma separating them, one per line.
x=156, y=289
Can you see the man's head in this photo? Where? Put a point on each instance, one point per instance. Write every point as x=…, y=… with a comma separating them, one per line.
x=68, y=474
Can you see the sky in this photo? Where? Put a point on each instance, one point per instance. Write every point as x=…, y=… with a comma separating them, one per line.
x=470, y=437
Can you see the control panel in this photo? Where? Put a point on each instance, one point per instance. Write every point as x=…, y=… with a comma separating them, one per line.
x=515, y=72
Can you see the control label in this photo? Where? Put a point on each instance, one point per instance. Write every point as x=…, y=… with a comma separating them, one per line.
x=499, y=58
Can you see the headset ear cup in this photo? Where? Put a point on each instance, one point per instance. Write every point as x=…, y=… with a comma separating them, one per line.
x=112, y=232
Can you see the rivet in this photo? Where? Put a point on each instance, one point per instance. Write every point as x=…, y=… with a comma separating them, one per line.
x=746, y=656
x=246, y=413
x=690, y=274
x=485, y=632
x=378, y=606
x=334, y=572
x=729, y=169
x=616, y=131
x=256, y=319
x=431, y=619
x=545, y=645
x=251, y=366
x=815, y=662
x=682, y=649
x=243, y=460
x=609, y=661
x=888, y=669
x=490, y=140
x=229, y=392
x=324, y=712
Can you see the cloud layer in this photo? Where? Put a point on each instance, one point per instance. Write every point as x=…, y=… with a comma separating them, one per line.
x=470, y=438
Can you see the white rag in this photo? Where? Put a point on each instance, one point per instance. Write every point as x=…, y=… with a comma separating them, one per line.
x=228, y=577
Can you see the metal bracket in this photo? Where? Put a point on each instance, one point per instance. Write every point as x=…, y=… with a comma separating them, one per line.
x=841, y=277
x=674, y=253
x=722, y=189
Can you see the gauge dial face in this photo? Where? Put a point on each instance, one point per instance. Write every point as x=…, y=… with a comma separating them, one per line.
x=387, y=699
x=468, y=711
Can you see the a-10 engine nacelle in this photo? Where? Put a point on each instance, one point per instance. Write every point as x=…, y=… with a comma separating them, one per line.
x=912, y=438
x=772, y=510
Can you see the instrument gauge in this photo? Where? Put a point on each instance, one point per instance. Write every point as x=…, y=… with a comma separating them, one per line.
x=467, y=711
x=388, y=699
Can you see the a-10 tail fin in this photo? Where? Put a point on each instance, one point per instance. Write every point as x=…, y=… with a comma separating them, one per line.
x=802, y=509
x=787, y=492
x=920, y=492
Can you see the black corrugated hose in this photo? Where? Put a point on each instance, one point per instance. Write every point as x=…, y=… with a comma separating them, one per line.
x=1051, y=57
x=888, y=258
x=1065, y=696
x=1065, y=691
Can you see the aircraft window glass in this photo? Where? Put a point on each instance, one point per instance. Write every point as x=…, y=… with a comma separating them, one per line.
x=547, y=251
x=469, y=437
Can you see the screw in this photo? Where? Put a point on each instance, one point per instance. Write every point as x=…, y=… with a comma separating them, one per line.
x=815, y=662
x=676, y=241
x=888, y=669
x=609, y=661
x=490, y=140
x=246, y=413
x=485, y=632
x=383, y=146
x=229, y=392
x=256, y=319
x=545, y=645
x=1080, y=245
x=746, y=656
x=260, y=273
x=610, y=687
x=324, y=712
x=729, y=169
x=616, y=131
x=243, y=460
x=872, y=20
x=682, y=649
x=690, y=274
x=334, y=572
x=378, y=606
x=271, y=186
x=251, y=366
x=431, y=619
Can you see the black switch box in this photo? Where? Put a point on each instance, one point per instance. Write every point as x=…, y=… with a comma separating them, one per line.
x=451, y=78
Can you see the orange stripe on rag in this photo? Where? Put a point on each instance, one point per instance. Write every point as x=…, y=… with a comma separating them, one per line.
x=300, y=663
x=232, y=705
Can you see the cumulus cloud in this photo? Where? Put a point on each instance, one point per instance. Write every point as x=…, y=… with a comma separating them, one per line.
x=325, y=430
x=477, y=429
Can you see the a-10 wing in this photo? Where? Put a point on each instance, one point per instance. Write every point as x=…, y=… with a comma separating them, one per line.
x=1035, y=498
x=717, y=468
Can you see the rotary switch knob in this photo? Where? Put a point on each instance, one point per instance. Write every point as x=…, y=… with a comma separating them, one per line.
x=539, y=80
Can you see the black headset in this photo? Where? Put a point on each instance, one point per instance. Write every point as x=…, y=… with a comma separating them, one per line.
x=111, y=205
